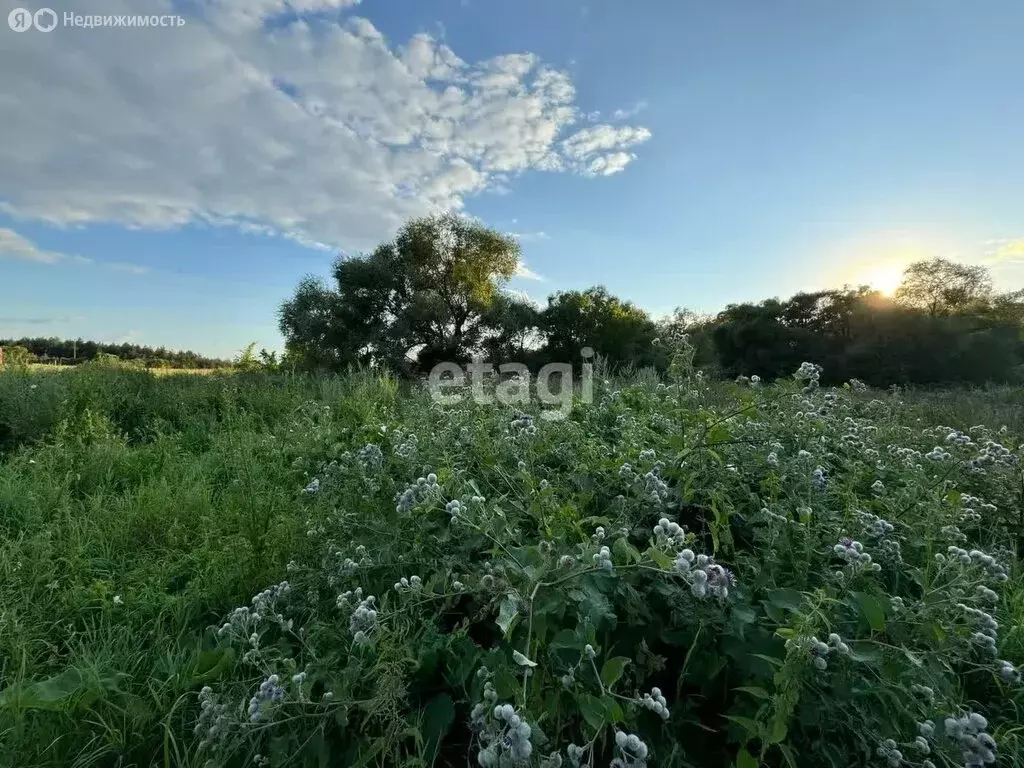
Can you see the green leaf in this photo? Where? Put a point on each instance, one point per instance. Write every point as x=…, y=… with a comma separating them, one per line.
x=789, y=599
x=752, y=727
x=753, y=690
x=778, y=732
x=746, y=760
x=872, y=609
x=592, y=709
x=788, y=754
x=660, y=558
x=612, y=670
x=508, y=613
x=770, y=659
x=626, y=551
x=505, y=683
x=437, y=719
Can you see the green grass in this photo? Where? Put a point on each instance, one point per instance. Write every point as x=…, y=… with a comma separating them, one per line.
x=137, y=511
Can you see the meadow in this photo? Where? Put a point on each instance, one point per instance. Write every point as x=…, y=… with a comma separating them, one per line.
x=297, y=570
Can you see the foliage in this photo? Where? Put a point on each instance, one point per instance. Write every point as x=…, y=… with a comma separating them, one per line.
x=328, y=570
x=71, y=351
x=422, y=296
x=943, y=287
x=620, y=332
x=17, y=356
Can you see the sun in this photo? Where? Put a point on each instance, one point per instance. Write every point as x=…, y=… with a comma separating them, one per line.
x=884, y=278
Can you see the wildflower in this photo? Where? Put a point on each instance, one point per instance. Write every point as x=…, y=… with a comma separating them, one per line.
x=270, y=692
x=655, y=702
x=669, y=532
x=118, y=600
x=603, y=559
x=313, y=487
x=773, y=459
x=589, y=651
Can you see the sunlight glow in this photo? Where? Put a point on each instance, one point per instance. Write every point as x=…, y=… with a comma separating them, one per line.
x=884, y=278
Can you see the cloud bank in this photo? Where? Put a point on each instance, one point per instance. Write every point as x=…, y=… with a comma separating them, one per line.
x=296, y=119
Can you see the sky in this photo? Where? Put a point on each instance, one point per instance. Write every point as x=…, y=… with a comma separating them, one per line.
x=171, y=185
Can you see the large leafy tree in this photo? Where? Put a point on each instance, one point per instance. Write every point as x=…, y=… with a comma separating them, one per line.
x=415, y=300
x=617, y=330
x=942, y=287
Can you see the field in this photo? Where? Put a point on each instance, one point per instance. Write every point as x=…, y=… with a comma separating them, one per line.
x=283, y=570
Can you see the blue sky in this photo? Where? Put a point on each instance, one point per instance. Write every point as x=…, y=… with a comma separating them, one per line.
x=169, y=186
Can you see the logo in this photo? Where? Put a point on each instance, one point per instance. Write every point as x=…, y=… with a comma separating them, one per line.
x=45, y=19
x=22, y=20
x=19, y=20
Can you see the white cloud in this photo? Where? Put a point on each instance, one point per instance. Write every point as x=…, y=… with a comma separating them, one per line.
x=526, y=273
x=1005, y=249
x=597, y=151
x=315, y=128
x=529, y=237
x=15, y=246
x=624, y=114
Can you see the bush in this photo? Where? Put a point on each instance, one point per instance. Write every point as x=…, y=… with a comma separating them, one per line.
x=680, y=573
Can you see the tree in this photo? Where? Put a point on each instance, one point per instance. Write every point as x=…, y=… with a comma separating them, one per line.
x=413, y=301
x=511, y=328
x=17, y=357
x=942, y=287
x=617, y=330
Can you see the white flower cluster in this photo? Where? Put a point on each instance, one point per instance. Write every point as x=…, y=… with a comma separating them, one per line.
x=818, y=480
x=669, y=533
x=633, y=752
x=938, y=454
x=523, y=425
x=370, y=457
x=972, y=507
x=809, y=372
x=774, y=517
x=977, y=557
x=412, y=584
x=969, y=734
x=244, y=621
x=479, y=712
x=705, y=576
x=457, y=508
x=337, y=571
x=857, y=385
x=655, y=702
x=817, y=650
x=987, y=636
x=214, y=721
x=506, y=736
x=603, y=559
x=772, y=458
x=1008, y=672
x=853, y=553
x=874, y=525
x=313, y=487
x=887, y=749
x=408, y=448
x=422, y=489
x=270, y=692
x=363, y=620
x=952, y=533
x=647, y=455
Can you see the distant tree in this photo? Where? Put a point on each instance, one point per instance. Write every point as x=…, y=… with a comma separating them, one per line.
x=618, y=331
x=942, y=287
x=246, y=359
x=413, y=301
x=511, y=328
x=17, y=356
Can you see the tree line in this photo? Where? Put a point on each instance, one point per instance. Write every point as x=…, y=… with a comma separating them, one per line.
x=75, y=351
x=438, y=292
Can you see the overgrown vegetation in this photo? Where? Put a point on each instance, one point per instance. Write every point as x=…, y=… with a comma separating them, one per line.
x=335, y=570
x=436, y=293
